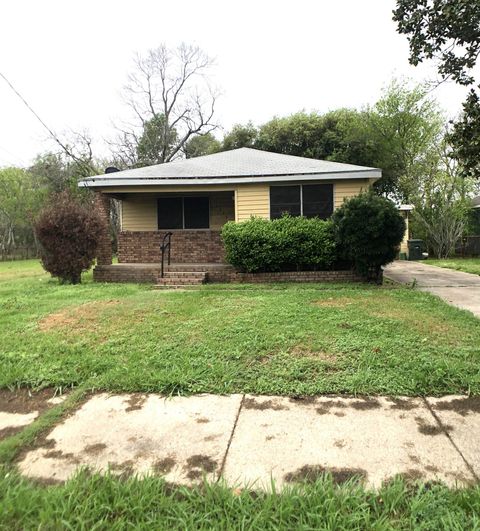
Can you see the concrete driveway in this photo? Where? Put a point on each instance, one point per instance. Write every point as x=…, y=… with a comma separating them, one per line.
x=455, y=287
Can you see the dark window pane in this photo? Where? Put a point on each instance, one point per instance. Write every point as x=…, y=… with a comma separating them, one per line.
x=284, y=200
x=170, y=213
x=197, y=212
x=284, y=195
x=277, y=211
x=318, y=200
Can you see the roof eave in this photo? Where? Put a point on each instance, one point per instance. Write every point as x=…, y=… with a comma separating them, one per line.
x=98, y=182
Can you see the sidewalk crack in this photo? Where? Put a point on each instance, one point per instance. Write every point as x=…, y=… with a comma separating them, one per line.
x=452, y=442
x=224, y=460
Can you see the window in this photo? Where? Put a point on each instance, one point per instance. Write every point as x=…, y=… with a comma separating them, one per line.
x=284, y=200
x=309, y=200
x=183, y=213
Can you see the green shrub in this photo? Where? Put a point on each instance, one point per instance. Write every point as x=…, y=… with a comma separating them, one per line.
x=285, y=244
x=368, y=230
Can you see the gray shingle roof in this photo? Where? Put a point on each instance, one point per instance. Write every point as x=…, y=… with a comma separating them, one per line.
x=237, y=165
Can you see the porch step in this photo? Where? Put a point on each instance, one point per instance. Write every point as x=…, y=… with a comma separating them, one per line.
x=181, y=279
x=198, y=268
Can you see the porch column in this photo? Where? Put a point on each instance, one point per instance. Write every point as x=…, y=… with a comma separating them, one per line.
x=104, y=249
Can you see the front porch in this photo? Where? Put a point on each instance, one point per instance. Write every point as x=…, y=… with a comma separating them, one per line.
x=175, y=273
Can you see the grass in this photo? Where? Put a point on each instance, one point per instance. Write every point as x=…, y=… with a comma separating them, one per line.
x=97, y=502
x=285, y=339
x=288, y=339
x=468, y=265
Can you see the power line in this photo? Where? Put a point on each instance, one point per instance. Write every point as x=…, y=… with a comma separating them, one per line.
x=50, y=131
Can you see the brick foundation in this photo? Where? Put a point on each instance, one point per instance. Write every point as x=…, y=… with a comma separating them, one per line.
x=149, y=273
x=188, y=246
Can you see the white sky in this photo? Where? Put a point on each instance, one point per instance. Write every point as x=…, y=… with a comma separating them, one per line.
x=70, y=59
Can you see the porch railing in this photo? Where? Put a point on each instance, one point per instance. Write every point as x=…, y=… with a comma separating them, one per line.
x=165, y=247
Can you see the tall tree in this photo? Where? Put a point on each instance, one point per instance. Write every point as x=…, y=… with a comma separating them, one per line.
x=405, y=126
x=240, y=136
x=201, y=145
x=448, y=31
x=171, y=101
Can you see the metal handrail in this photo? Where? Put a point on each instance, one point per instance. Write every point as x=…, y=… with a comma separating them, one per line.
x=166, y=244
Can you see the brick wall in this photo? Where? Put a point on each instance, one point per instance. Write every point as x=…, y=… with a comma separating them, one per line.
x=104, y=249
x=188, y=246
x=285, y=276
x=149, y=273
x=126, y=273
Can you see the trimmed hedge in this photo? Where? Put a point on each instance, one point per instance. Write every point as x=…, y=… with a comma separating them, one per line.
x=285, y=244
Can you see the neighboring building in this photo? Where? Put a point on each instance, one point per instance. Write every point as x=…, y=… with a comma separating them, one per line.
x=194, y=198
x=405, y=210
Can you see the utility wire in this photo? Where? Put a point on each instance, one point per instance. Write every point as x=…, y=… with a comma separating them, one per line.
x=50, y=131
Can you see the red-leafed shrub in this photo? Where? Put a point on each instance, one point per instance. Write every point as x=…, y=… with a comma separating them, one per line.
x=69, y=233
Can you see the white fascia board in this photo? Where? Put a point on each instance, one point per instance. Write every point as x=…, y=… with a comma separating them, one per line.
x=105, y=182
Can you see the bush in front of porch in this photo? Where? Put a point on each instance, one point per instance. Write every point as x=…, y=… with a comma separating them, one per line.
x=284, y=244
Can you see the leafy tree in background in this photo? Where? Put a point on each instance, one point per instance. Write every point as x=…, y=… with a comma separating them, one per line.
x=202, y=145
x=240, y=136
x=448, y=31
x=151, y=144
x=404, y=126
x=20, y=200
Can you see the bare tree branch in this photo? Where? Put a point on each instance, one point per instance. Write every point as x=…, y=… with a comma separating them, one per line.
x=171, y=101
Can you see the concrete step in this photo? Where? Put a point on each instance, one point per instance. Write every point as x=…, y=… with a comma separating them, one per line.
x=182, y=278
x=189, y=274
x=176, y=286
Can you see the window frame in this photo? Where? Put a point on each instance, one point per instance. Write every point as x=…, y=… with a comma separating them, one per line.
x=182, y=198
x=301, y=185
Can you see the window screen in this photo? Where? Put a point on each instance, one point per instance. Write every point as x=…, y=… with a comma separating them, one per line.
x=196, y=212
x=317, y=200
x=170, y=213
x=183, y=213
x=284, y=200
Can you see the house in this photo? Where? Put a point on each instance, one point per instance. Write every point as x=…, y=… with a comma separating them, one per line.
x=193, y=198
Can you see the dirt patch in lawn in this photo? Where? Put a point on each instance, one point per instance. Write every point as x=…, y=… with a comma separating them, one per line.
x=25, y=400
x=79, y=317
x=335, y=302
x=301, y=351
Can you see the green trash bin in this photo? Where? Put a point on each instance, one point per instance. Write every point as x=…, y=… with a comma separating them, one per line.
x=415, y=249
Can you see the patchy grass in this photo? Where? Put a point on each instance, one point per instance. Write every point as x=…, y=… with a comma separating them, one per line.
x=468, y=265
x=107, y=502
x=276, y=339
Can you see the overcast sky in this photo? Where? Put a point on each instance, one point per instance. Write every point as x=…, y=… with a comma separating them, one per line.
x=70, y=59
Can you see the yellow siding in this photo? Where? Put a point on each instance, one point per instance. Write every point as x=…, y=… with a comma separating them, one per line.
x=252, y=200
x=346, y=189
x=406, y=236
x=221, y=209
x=139, y=212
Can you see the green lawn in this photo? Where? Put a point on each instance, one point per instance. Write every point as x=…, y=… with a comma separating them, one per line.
x=96, y=502
x=468, y=265
x=294, y=339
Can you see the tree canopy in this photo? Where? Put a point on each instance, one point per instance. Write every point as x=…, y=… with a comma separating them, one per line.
x=448, y=32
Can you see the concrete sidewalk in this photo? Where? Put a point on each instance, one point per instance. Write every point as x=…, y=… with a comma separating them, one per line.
x=455, y=287
x=249, y=440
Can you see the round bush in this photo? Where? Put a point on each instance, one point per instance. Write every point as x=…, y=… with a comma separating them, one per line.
x=68, y=233
x=368, y=230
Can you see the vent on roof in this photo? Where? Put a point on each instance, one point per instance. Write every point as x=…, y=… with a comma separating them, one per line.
x=111, y=169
